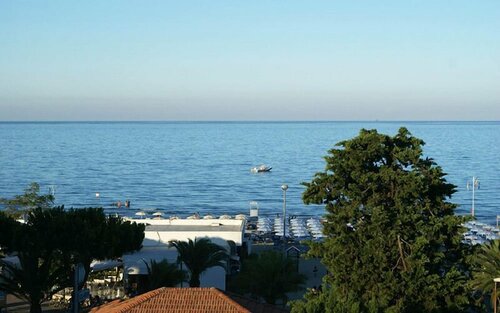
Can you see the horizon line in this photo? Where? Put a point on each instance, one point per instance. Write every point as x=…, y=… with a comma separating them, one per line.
x=250, y=121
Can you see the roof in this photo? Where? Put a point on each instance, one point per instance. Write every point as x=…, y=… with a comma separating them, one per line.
x=175, y=300
x=202, y=228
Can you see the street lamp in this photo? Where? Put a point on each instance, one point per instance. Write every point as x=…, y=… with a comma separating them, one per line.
x=474, y=184
x=284, y=187
x=496, y=280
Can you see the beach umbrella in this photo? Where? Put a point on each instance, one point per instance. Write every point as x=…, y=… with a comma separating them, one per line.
x=157, y=214
x=240, y=217
x=140, y=213
x=208, y=217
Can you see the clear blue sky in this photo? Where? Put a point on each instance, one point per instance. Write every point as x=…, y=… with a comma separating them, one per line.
x=250, y=60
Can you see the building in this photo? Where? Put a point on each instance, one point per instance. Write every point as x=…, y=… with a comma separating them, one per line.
x=184, y=300
x=228, y=233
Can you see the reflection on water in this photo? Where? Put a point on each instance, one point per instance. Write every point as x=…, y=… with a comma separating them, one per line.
x=184, y=168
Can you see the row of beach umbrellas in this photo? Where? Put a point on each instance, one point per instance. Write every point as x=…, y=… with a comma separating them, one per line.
x=295, y=227
x=142, y=214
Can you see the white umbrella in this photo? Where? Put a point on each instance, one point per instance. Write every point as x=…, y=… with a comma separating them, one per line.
x=140, y=213
x=157, y=214
x=241, y=217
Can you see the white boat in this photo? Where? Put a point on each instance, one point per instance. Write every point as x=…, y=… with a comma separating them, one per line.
x=261, y=169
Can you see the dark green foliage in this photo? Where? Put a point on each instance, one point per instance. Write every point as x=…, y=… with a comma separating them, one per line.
x=200, y=255
x=41, y=272
x=164, y=274
x=8, y=225
x=394, y=243
x=52, y=240
x=486, y=268
x=92, y=236
x=29, y=200
x=270, y=276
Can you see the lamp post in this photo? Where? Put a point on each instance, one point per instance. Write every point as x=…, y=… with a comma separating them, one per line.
x=473, y=185
x=284, y=187
x=495, y=281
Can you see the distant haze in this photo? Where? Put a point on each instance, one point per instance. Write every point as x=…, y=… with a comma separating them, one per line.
x=252, y=60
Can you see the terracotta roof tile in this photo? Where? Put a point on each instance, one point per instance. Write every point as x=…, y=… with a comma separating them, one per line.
x=175, y=300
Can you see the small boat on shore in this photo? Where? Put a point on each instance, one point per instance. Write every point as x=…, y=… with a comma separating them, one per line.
x=261, y=169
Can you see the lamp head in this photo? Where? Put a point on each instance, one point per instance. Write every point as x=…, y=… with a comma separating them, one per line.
x=284, y=187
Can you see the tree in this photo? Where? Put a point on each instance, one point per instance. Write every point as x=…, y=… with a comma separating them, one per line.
x=200, y=255
x=40, y=272
x=8, y=225
x=94, y=236
x=53, y=240
x=270, y=276
x=164, y=274
x=29, y=200
x=486, y=268
x=393, y=242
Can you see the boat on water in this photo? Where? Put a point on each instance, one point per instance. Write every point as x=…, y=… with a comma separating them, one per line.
x=261, y=169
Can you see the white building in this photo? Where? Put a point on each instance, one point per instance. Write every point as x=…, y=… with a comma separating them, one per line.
x=228, y=233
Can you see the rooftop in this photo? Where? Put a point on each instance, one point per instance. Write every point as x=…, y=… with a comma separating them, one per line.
x=183, y=300
x=202, y=228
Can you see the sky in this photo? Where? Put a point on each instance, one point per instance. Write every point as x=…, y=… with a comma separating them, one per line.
x=249, y=60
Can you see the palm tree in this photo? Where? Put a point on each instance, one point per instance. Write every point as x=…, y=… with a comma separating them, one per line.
x=200, y=255
x=35, y=279
x=164, y=274
x=486, y=268
x=270, y=276
x=42, y=269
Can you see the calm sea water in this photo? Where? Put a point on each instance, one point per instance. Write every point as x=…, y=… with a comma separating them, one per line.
x=183, y=168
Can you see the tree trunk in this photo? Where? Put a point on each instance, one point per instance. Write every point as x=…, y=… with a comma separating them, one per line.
x=35, y=307
x=194, y=281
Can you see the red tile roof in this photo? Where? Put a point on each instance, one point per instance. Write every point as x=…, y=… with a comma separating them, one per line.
x=175, y=300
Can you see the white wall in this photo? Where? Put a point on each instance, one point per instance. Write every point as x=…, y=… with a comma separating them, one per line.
x=134, y=264
x=153, y=238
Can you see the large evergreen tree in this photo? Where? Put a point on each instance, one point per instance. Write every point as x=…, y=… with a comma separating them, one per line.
x=393, y=242
x=91, y=235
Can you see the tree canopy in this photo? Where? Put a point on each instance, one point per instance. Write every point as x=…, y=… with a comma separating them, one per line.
x=270, y=276
x=41, y=271
x=31, y=199
x=53, y=240
x=95, y=236
x=164, y=274
x=486, y=268
x=393, y=241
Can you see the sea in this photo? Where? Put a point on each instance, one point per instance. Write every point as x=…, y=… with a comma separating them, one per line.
x=183, y=168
